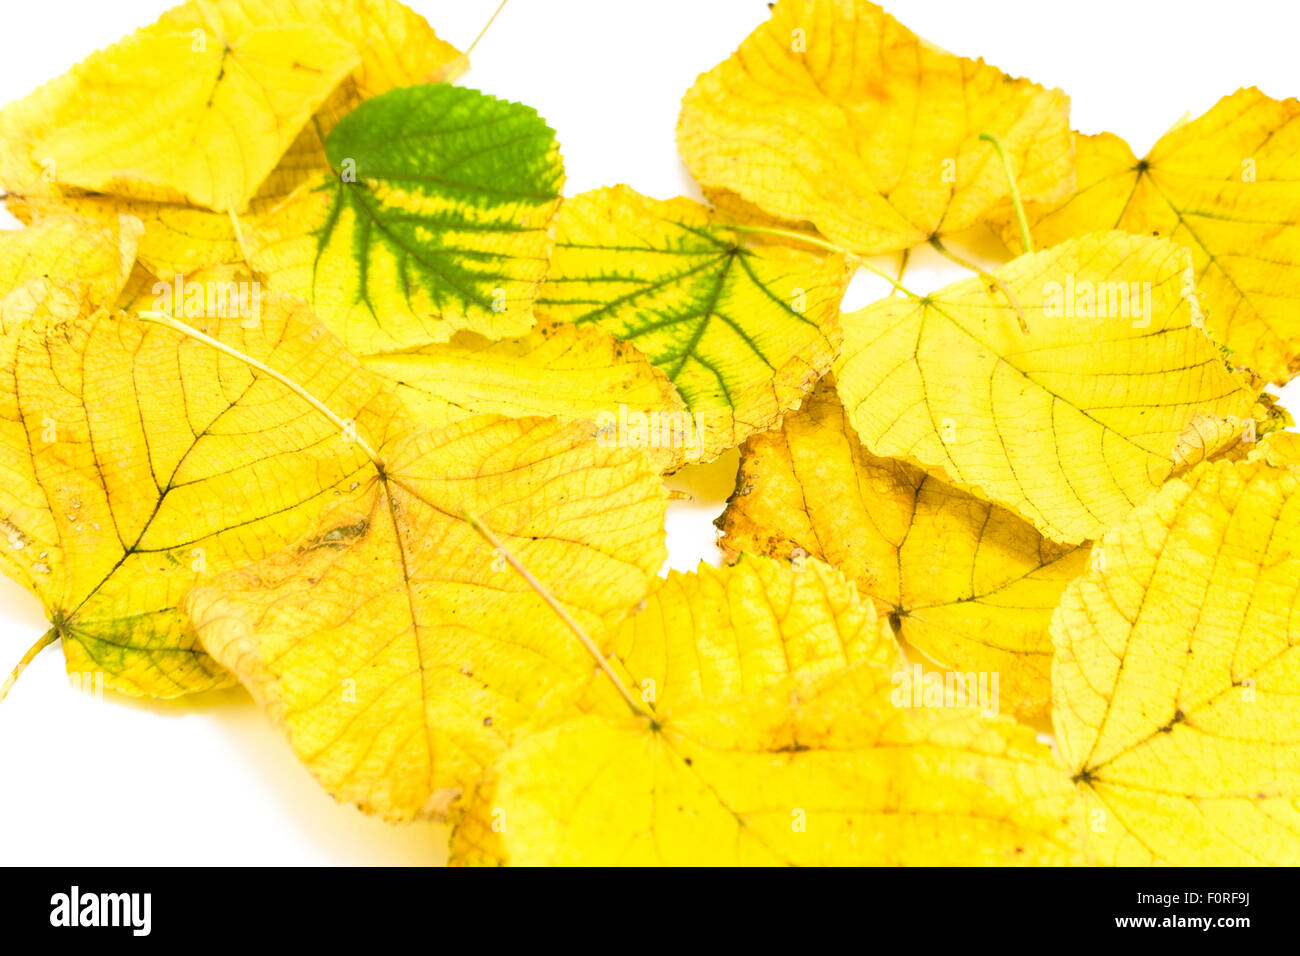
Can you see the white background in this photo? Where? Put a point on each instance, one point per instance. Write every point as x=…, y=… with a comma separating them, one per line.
x=206, y=780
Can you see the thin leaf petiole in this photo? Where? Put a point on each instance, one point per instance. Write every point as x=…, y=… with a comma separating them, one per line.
x=1025, y=238
x=48, y=638
x=486, y=534
x=988, y=277
x=163, y=319
x=492, y=19
x=829, y=247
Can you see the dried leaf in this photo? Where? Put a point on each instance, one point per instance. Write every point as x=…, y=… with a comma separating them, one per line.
x=967, y=583
x=777, y=737
x=1224, y=186
x=1069, y=424
x=147, y=460
x=835, y=113
x=398, y=653
x=171, y=116
x=1178, y=664
x=572, y=372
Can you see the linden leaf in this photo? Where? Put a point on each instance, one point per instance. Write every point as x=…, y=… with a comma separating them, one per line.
x=148, y=460
x=398, y=654
x=434, y=220
x=1069, y=424
x=65, y=266
x=177, y=238
x=835, y=113
x=1280, y=448
x=742, y=333
x=571, y=372
x=1224, y=186
x=1177, y=671
x=165, y=116
x=967, y=583
x=396, y=47
x=776, y=738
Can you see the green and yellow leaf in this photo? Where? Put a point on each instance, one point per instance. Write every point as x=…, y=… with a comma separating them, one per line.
x=741, y=332
x=434, y=220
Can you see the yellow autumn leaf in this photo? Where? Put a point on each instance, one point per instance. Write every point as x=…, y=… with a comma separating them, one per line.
x=177, y=238
x=147, y=460
x=967, y=583
x=1224, y=186
x=741, y=332
x=834, y=112
x=64, y=266
x=180, y=116
x=138, y=294
x=396, y=48
x=399, y=654
x=777, y=730
x=1280, y=448
x=1177, y=669
x=395, y=44
x=572, y=372
x=1070, y=423
x=62, y=269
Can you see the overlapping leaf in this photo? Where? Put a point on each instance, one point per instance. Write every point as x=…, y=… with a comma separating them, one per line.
x=1178, y=669
x=62, y=269
x=572, y=372
x=435, y=220
x=1225, y=186
x=177, y=117
x=397, y=652
x=742, y=333
x=142, y=459
x=775, y=738
x=835, y=113
x=395, y=47
x=968, y=583
x=1068, y=424
x=65, y=266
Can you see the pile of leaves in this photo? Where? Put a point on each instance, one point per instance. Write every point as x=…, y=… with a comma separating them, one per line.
x=314, y=382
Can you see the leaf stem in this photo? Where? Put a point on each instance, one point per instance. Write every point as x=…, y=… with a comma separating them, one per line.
x=560, y=610
x=48, y=638
x=470, y=49
x=239, y=235
x=348, y=428
x=988, y=277
x=829, y=247
x=1025, y=237
x=903, y=260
